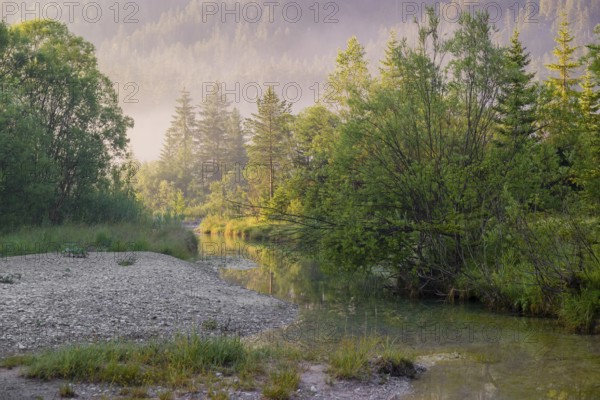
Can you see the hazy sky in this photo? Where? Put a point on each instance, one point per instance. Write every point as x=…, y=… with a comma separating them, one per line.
x=152, y=48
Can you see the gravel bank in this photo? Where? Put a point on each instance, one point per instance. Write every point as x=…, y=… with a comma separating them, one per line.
x=56, y=300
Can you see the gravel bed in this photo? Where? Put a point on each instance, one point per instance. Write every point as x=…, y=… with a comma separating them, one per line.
x=54, y=300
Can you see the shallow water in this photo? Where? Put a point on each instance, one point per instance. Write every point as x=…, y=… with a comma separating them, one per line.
x=471, y=353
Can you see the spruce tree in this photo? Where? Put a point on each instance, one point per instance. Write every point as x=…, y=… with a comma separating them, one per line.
x=566, y=62
x=516, y=103
x=177, y=153
x=560, y=107
x=270, y=129
x=589, y=170
x=594, y=57
x=211, y=138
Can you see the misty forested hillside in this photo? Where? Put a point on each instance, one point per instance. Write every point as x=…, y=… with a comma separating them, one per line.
x=189, y=44
x=182, y=43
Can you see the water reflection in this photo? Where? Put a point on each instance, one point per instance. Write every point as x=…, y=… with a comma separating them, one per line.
x=475, y=354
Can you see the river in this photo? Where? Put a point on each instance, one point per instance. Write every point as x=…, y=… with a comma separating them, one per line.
x=470, y=353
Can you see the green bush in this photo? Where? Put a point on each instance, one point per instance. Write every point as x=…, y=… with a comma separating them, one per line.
x=581, y=312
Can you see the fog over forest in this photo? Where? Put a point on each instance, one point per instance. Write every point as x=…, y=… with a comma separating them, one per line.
x=152, y=49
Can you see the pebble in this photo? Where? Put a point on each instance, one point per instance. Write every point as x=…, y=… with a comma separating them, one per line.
x=158, y=296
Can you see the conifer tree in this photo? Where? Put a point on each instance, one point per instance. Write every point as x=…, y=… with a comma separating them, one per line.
x=560, y=108
x=177, y=155
x=589, y=162
x=269, y=128
x=389, y=69
x=211, y=137
x=351, y=75
x=516, y=104
x=566, y=62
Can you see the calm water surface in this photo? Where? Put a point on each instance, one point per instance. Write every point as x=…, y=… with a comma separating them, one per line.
x=476, y=354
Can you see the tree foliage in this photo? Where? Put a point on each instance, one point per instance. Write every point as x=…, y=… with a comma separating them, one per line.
x=269, y=145
x=453, y=171
x=63, y=133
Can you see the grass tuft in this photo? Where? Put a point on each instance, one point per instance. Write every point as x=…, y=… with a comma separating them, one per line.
x=167, y=395
x=127, y=261
x=282, y=384
x=359, y=359
x=66, y=391
x=350, y=360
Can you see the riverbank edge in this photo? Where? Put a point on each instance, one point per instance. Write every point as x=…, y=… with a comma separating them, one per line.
x=294, y=359
x=253, y=229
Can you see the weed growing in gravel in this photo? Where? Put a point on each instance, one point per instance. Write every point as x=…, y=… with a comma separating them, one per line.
x=360, y=358
x=168, y=395
x=127, y=261
x=217, y=394
x=135, y=393
x=351, y=359
x=66, y=391
x=75, y=252
x=210, y=325
x=282, y=383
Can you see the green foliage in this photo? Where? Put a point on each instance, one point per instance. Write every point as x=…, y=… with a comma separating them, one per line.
x=581, y=312
x=565, y=55
x=589, y=102
x=226, y=198
x=213, y=131
x=315, y=134
x=282, y=384
x=454, y=171
x=235, y=141
x=247, y=228
x=201, y=162
x=516, y=105
x=177, y=156
x=63, y=140
x=270, y=143
x=351, y=76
